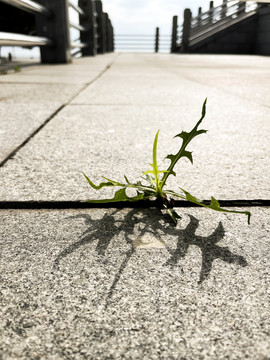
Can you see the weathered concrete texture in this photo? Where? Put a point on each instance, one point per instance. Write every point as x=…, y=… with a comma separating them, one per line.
x=109, y=128
x=18, y=122
x=113, y=141
x=29, y=98
x=162, y=79
x=81, y=71
x=112, y=284
x=246, y=77
x=55, y=94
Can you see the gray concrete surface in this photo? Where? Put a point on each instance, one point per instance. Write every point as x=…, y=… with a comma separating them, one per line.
x=111, y=141
x=108, y=129
x=126, y=284
x=81, y=71
x=30, y=97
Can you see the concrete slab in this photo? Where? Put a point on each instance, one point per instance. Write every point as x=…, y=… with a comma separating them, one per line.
x=56, y=94
x=161, y=79
x=18, y=122
x=240, y=82
x=81, y=71
x=139, y=95
x=125, y=284
x=243, y=76
x=30, y=97
x=112, y=141
x=24, y=107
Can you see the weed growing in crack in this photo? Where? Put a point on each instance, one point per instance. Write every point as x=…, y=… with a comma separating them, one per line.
x=154, y=181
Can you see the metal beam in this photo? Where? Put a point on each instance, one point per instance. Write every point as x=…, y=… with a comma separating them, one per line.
x=11, y=39
x=29, y=6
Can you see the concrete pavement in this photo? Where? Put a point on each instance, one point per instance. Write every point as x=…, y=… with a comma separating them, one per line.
x=126, y=284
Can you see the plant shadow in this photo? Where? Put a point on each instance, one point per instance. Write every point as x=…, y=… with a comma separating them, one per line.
x=151, y=222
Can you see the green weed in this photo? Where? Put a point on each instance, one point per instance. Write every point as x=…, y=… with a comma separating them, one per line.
x=154, y=181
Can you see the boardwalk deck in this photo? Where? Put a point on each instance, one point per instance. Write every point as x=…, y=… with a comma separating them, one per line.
x=110, y=284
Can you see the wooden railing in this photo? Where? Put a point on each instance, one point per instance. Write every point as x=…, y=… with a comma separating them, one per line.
x=201, y=26
x=53, y=29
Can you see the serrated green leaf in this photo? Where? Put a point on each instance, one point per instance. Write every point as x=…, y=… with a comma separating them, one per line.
x=127, y=181
x=115, y=183
x=101, y=185
x=214, y=204
x=120, y=195
x=186, y=138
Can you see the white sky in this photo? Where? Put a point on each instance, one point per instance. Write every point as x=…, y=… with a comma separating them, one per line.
x=143, y=16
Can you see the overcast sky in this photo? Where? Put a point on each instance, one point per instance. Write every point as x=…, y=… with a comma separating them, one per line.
x=143, y=16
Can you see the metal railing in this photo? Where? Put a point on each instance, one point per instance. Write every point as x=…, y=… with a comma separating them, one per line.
x=28, y=5
x=143, y=43
x=53, y=29
x=10, y=39
x=204, y=24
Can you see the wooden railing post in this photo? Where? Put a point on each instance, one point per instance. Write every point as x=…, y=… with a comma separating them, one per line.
x=157, y=40
x=101, y=28
x=88, y=21
x=199, y=14
x=109, y=33
x=224, y=9
x=112, y=39
x=56, y=28
x=241, y=8
x=211, y=11
x=186, y=30
x=174, y=34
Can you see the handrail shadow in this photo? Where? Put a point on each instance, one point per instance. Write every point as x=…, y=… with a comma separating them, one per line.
x=154, y=222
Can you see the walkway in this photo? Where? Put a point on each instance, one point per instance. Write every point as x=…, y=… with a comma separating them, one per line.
x=126, y=284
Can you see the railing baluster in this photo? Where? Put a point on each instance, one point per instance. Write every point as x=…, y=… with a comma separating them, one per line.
x=224, y=9
x=88, y=20
x=241, y=8
x=157, y=40
x=174, y=34
x=211, y=11
x=57, y=29
x=186, y=30
x=101, y=28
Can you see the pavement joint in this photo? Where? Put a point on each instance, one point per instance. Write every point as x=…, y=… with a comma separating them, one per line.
x=34, y=205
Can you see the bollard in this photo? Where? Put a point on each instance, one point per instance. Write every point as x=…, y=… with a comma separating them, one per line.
x=174, y=34
x=186, y=30
x=88, y=21
x=55, y=27
x=157, y=40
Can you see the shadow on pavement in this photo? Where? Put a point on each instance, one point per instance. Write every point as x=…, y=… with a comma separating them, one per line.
x=153, y=222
